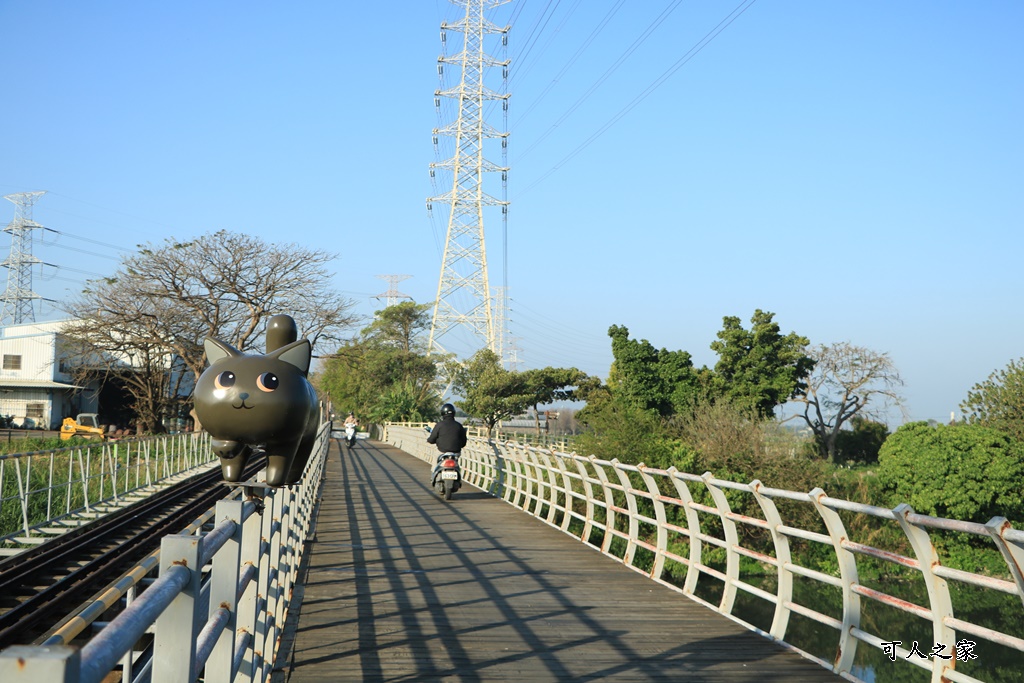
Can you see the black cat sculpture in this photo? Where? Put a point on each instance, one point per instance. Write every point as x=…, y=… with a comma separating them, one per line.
x=247, y=401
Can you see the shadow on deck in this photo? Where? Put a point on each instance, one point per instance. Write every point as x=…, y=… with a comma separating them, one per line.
x=401, y=586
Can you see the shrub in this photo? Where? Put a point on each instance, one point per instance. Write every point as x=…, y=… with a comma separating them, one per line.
x=966, y=472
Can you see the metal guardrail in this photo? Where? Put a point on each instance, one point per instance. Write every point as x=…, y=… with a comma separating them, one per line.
x=584, y=496
x=218, y=608
x=528, y=438
x=40, y=488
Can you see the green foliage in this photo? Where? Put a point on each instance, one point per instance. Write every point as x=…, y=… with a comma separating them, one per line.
x=549, y=384
x=384, y=375
x=966, y=472
x=489, y=391
x=632, y=435
x=651, y=379
x=732, y=442
x=998, y=402
x=759, y=367
x=862, y=443
x=399, y=326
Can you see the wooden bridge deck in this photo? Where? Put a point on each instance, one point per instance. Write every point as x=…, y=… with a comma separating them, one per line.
x=401, y=586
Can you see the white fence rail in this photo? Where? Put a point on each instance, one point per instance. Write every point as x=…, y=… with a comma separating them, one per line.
x=623, y=509
x=218, y=608
x=39, y=489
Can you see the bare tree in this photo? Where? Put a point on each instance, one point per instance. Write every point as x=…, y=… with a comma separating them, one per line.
x=847, y=380
x=167, y=298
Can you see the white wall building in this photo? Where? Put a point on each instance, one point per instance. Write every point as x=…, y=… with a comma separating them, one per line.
x=35, y=388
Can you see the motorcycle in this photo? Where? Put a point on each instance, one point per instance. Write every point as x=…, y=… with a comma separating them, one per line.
x=446, y=477
x=350, y=435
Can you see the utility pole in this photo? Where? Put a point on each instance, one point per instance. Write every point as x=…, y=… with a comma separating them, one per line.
x=18, y=297
x=392, y=295
x=463, y=289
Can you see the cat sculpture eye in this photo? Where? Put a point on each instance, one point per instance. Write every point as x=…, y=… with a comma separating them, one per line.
x=225, y=380
x=268, y=381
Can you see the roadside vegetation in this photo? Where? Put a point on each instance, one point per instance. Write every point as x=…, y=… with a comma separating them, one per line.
x=660, y=409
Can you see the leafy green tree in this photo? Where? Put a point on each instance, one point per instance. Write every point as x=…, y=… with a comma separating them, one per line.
x=651, y=379
x=627, y=433
x=967, y=472
x=489, y=391
x=862, y=443
x=759, y=368
x=546, y=385
x=998, y=402
x=400, y=326
x=384, y=374
x=847, y=381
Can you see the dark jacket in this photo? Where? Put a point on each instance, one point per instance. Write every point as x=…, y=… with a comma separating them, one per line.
x=449, y=435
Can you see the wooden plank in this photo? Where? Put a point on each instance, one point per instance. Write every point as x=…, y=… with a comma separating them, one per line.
x=401, y=585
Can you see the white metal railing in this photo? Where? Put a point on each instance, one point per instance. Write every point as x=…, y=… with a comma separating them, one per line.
x=218, y=608
x=39, y=489
x=586, y=496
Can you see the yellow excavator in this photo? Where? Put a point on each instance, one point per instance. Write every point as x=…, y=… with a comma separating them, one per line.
x=86, y=426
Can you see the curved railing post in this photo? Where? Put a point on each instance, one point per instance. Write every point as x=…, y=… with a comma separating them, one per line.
x=1013, y=553
x=693, y=526
x=514, y=489
x=938, y=590
x=588, y=494
x=553, y=488
x=848, y=572
x=609, y=506
x=497, y=485
x=567, y=491
x=659, y=514
x=732, y=558
x=784, y=578
x=634, y=523
x=536, y=481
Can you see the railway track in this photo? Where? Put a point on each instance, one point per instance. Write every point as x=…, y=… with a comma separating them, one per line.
x=44, y=585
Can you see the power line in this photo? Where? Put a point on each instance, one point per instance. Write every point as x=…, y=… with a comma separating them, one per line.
x=572, y=60
x=682, y=61
x=641, y=39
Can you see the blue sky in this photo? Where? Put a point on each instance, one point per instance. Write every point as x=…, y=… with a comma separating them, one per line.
x=854, y=167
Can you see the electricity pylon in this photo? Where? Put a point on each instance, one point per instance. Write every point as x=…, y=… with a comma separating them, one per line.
x=392, y=296
x=18, y=296
x=463, y=291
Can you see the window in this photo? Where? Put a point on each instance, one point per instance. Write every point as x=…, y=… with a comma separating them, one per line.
x=12, y=362
x=36, y=411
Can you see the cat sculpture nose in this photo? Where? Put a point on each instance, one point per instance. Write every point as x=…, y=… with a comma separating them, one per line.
x=243, y=395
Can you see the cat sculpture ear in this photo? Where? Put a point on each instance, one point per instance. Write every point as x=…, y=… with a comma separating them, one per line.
x=298, y=353
x=217, y=350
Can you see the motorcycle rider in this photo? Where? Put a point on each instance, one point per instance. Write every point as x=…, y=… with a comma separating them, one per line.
x=448, y=434
x=352, y=422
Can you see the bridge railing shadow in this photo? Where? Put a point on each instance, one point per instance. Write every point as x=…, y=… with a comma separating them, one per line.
x=684, y=531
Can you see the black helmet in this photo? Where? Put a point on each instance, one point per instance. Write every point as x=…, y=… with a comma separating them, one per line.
x=447, y=409
x=351, y=414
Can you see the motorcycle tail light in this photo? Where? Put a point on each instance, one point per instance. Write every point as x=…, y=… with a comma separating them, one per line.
x=449, y=463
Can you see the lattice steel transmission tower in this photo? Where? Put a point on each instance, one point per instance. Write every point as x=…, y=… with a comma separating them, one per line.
x=463, y=289
x=18, y=296
x=392, y=296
